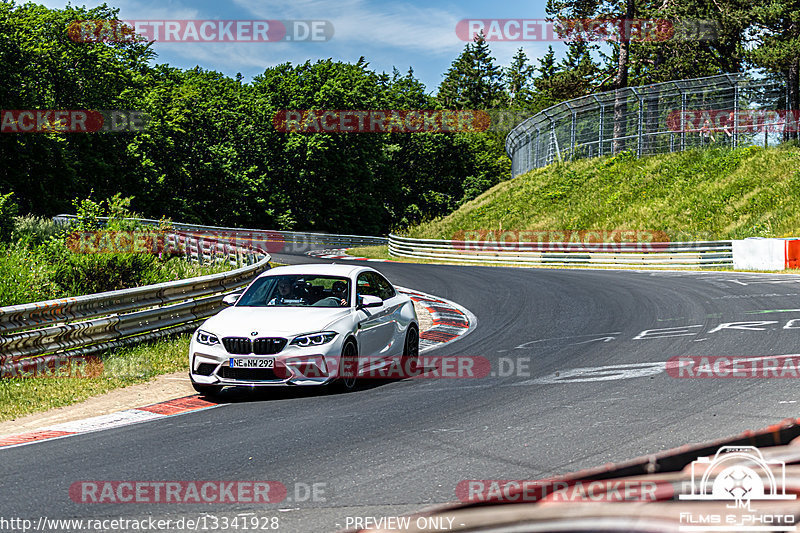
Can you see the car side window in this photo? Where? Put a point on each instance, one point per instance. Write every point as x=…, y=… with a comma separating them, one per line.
x=367, y=285
x=386, y=290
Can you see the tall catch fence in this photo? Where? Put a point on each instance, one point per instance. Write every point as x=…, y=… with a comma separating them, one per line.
x=728, y=109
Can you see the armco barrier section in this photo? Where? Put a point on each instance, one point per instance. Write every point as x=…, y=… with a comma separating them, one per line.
x=32, y=335
x=712, y=254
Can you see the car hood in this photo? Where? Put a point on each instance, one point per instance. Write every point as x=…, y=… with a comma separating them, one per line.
x=272, y=321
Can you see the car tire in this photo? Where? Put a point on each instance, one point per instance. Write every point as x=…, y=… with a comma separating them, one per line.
x=207, y=390
x=347, y=383
x=411, y=349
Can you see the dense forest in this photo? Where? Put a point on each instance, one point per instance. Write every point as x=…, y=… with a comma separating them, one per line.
x=211, y=154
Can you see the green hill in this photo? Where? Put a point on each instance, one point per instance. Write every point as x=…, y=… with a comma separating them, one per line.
x=718, y=193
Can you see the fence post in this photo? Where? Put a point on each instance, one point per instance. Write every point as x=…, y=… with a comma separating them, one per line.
x=683, y=119
x=536, y=156
x=787, y=106
x=600, y=129
x=528, y=154
x=554, y=139
x=571, y=132
x=640, y=120
x=736, y=114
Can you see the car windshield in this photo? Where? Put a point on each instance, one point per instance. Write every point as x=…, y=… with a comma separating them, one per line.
x=297, y=291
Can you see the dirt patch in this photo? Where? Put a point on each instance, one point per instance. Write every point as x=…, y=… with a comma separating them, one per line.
x=424, y=317
x=162, y=388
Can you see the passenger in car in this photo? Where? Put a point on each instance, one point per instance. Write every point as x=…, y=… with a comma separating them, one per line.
x=284, y=293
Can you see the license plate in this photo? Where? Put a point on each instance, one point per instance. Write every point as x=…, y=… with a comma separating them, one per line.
x=252, y=362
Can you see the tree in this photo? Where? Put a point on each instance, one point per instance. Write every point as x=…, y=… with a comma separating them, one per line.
x=621, y=11
x=777, y=32
x=518, y=78
x=576, y=75
x=473, y=81
x=701, y=39
x=547, y=64
x=210, y=152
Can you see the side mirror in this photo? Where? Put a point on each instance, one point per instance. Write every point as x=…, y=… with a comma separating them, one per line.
x=230, y=299
x=369, y=300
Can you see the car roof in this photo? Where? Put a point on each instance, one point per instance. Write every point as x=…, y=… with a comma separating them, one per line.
x=320, y=269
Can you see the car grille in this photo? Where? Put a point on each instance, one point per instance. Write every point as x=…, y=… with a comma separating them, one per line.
x=205, y=369
x=247, y=374
x=268, y=346
x=260, y=346
x=237, y=345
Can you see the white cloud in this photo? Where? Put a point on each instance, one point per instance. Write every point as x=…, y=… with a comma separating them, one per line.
x=357, y=23
x=402, y=34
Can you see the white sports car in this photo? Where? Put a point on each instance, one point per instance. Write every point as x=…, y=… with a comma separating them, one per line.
x=304, y=325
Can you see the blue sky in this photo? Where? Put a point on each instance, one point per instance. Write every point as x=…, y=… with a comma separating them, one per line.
x=404, y=33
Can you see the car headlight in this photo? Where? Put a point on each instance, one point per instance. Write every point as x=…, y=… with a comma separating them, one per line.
x=314, y=339
x=204, y=337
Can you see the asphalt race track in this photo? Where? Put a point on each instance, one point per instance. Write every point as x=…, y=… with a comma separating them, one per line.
x=397, y=447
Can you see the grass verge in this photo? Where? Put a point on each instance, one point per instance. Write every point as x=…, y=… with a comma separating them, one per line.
x=121, y=367
x=718, y=193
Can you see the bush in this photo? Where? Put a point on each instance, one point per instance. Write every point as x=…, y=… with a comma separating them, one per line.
x=34, y=231
x=91, y=273
x=8, y=210
x=25, y=276
x=88, y=212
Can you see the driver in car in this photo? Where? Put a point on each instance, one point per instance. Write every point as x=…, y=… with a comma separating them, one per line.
x=339, y=290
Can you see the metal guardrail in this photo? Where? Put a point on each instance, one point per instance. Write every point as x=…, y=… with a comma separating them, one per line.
x=35, y=333
x=650, y=119
x=714, y=254
x=80, y=325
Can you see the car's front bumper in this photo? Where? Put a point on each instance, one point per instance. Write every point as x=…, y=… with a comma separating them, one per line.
x=294, y=365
